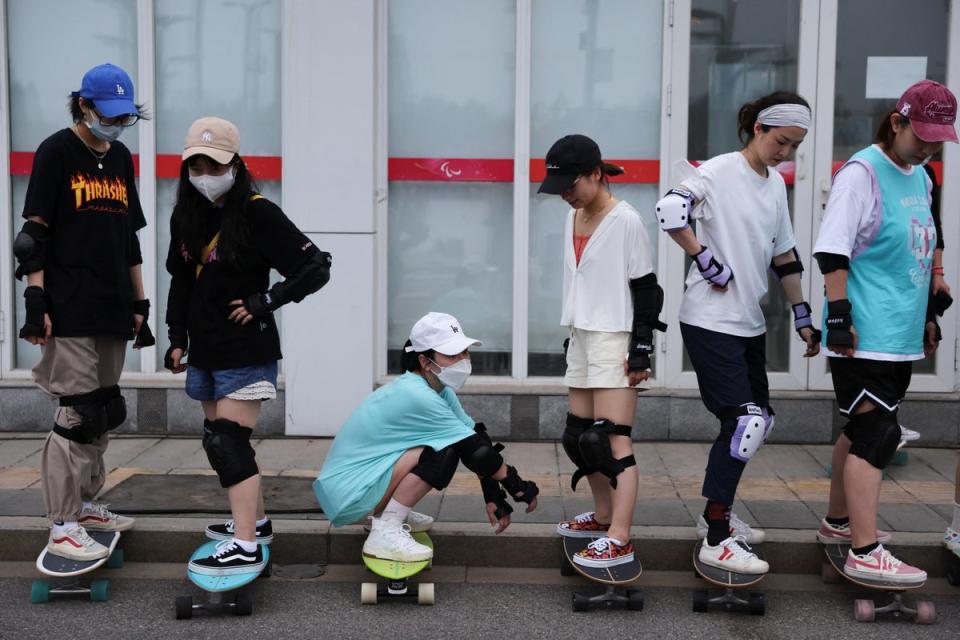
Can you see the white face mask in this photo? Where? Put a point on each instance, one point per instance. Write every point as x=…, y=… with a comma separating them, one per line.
x=213, y=186
x=455, y=376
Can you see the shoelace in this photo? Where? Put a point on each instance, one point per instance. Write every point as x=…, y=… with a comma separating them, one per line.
x=600, y=545
x=80, y=535
x=888, y=561
x=402, y=533
x=223, y=547
x=584, y=517
x=101, y=510
x=739, y=525
x=229, y=525
x=740, y=548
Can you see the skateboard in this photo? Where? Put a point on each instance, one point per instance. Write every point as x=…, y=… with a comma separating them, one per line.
x=218, y=588
x=865, y=609
x=396, y=574
x=731, y=582
x=615, y=578
x=60, y=567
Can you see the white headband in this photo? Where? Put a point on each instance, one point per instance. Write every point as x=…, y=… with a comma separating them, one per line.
x=785, y=115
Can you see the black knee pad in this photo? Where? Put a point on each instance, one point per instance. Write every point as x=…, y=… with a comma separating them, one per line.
x=115, y=406
x=874, y=436
x=91, y=408
x=571, y=444
x=228, y=449
x=436, y=468
x=595, y=448
x=479, y=454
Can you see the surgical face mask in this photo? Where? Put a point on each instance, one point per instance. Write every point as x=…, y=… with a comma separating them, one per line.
x=455, y=376
x=213, y=186
x=109, y=133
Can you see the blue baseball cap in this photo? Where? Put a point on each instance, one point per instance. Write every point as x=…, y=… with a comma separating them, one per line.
x=110, y=89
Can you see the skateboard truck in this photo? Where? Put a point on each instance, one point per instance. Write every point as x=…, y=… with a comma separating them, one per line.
x=611, y=598
x=755, y=602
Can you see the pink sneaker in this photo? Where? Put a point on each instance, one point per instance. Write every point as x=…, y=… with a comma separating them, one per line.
x=833, y=534
x=880, y=564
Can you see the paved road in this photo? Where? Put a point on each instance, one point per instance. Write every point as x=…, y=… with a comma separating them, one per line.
x=310, y=609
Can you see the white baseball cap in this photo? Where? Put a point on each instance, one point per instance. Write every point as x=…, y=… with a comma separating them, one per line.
x=440, y=332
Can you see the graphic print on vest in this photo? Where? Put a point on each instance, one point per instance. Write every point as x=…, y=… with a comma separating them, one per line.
x=924, y=237
x=103, y=195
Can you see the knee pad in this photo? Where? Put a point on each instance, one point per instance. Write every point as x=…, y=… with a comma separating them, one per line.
x=747, y=434
x=479, y=454
x=228, y=449
x=115, y=406
x=91, y=408
x=436, y=468
x=596, y=451
x=874, y=436
x=571, y=444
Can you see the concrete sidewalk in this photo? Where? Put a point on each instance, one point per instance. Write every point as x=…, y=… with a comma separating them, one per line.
x=784, y=490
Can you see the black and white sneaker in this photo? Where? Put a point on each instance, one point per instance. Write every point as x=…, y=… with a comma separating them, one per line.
x=226, y=531
x=229, y=559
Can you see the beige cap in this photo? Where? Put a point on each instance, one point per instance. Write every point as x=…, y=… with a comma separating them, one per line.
x=213, y=137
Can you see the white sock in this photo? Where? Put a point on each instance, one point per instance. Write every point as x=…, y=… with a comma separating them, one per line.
x=249, y=547
x=956, y=517
x=87, y=505
x=395, y=511
x=263, y=521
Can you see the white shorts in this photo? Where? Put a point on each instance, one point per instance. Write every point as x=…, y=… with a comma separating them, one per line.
x=595, y=359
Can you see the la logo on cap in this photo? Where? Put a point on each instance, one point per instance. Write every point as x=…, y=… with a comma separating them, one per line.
x=120, y=90
x=206, y=137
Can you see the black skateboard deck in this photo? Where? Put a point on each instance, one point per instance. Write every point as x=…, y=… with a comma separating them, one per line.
x=864, y=609
x=614, y=578
x=730, y=581
x=71, y=571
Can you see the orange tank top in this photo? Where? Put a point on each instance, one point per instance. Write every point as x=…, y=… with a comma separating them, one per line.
x=579, y=242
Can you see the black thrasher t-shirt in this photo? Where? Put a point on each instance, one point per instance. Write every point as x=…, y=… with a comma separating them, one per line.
x=200, y=304
x=93, y=216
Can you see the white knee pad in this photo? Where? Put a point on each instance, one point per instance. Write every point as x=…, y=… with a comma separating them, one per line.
x=750, y=434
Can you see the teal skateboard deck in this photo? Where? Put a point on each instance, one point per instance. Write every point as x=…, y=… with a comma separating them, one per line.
x=613, y=578
x=865, y=609
x=217, y=587
x=59, y=567
x=397, y=573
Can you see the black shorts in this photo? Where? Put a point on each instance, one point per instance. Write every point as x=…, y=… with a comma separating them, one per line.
x=882, y=382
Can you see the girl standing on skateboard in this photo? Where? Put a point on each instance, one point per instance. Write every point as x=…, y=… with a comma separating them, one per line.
x=84, y=299
x=876, y=249
x=611, y=305
x=224, y=240
x=743, y=230
x=408, y=437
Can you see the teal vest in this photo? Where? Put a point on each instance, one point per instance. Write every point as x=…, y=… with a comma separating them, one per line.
x=889, y=280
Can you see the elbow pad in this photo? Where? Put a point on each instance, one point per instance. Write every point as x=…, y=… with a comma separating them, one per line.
x=673, y=210
x=313, y=274
x=830, y=262
x=787, y=268
x=30, y=248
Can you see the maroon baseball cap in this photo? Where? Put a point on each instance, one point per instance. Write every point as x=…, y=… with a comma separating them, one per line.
x=931, y=109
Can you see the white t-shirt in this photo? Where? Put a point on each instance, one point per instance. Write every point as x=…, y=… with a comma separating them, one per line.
x=596, y=293
x=854, y=210
x=743, y=218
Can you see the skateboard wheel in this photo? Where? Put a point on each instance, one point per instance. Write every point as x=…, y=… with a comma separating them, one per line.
x=863, y=610
x=368, y=593
x=926, y=613
x=581, y=602
x=40, y=592
x=566, y=569
x=425, y=593
x=243, y=604
x=953, y=576
x=100, y=590
x=758, y=603
x=701, y=601
x=115, y=561
x=634, y=600
x=184, y=607
x=828, y=574
x=900, y=458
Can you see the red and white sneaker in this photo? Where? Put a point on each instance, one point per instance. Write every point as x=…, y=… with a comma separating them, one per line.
x=604, y=552
x=840, y=534
x=880, y=564
x=584, y=525
x=97, y=517
x=733, y=554
x=76, y=544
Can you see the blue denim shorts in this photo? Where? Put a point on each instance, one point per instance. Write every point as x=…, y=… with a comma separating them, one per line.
x=207, y=384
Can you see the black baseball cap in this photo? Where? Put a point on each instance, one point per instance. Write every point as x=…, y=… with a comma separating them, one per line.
x=569, y=157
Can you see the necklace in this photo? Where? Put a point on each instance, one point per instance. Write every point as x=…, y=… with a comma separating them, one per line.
x=96, y=156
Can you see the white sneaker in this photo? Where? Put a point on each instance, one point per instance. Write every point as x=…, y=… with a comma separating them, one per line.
x=98, y=518
x=733, y=554
x=952, y=539
x=419, y=522
x=391, y=540
x=737, y=528
x=76, y=544
x=908, y=435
